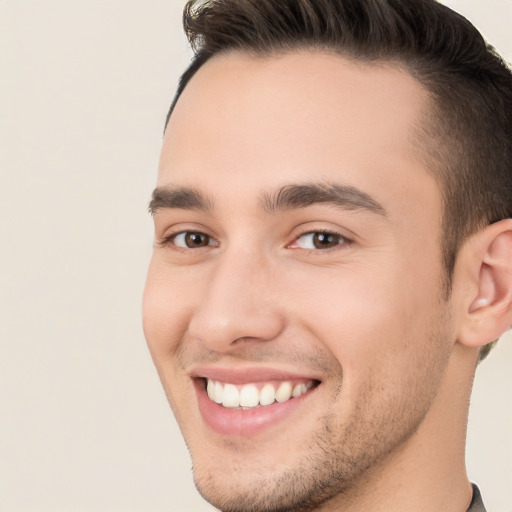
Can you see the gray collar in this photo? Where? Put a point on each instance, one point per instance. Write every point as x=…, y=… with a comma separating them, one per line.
x=477, y=504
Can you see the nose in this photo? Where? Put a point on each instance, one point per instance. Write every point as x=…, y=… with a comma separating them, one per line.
x=237, y=303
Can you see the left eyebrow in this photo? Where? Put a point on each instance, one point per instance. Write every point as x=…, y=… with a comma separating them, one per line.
x=292, y=197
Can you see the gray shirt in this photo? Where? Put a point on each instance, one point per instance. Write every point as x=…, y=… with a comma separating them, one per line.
x=477, y=504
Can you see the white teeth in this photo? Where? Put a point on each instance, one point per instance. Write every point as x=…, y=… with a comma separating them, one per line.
x=299, y=389
x=231, y=396
x=284, y=392
x=210, y=389
x=248, y=396
x=218, y=393
x=267, y=394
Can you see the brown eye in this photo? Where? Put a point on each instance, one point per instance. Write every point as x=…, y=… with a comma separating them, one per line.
x=192, y=240
x=325, y=240
x=319, y=240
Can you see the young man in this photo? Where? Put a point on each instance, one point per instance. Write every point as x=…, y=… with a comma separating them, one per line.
x=333, y=251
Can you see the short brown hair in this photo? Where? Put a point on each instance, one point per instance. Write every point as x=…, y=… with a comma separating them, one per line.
x=467, y=137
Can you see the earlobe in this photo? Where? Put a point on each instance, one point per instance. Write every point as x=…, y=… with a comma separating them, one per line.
x=488, y=313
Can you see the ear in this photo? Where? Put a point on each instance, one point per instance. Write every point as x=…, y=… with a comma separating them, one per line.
x=484, y=284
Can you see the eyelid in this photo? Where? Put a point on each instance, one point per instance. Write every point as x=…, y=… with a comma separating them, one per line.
x=168, y=239
x=344, y=240
x=184, y=235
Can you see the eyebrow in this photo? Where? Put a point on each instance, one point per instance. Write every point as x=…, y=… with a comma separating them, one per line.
x=181, y=198
x=345, y=197
x=289, y=197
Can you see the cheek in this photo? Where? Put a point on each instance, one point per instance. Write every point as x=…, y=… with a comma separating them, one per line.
x=370, y=320
x=164, y=311
x=165, y=319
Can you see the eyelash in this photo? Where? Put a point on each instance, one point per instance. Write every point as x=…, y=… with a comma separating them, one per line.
x=342, y=240
x=169, y=240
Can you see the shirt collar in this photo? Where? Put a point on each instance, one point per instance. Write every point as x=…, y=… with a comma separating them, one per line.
x=477, y=504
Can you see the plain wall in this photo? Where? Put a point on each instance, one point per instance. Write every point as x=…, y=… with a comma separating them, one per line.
x=84, y=425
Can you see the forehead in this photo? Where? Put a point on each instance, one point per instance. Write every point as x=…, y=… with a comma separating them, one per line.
x=254, y=122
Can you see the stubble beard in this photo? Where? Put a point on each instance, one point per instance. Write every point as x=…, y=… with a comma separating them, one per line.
x=339, y=460
x=333, y=467
x=322, y=474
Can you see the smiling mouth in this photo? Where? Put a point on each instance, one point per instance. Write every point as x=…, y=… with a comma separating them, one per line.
x=255, y=395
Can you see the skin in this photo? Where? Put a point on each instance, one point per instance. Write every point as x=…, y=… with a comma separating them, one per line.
x=367, y=317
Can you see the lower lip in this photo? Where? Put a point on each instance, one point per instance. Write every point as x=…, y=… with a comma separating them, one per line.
x=248, y=422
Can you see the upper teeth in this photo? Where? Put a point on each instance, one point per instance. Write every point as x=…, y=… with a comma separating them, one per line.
x=248, y=395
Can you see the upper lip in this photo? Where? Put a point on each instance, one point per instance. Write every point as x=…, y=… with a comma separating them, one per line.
x=245, y=375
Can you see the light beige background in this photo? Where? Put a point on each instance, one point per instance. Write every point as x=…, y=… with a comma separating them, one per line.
x=84, y=426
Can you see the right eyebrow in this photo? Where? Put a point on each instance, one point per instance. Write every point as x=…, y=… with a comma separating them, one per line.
x=182, y=198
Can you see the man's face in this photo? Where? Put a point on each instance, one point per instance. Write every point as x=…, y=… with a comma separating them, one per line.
x=297, y=250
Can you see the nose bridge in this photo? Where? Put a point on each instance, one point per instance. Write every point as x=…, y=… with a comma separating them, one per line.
x=237, y=301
